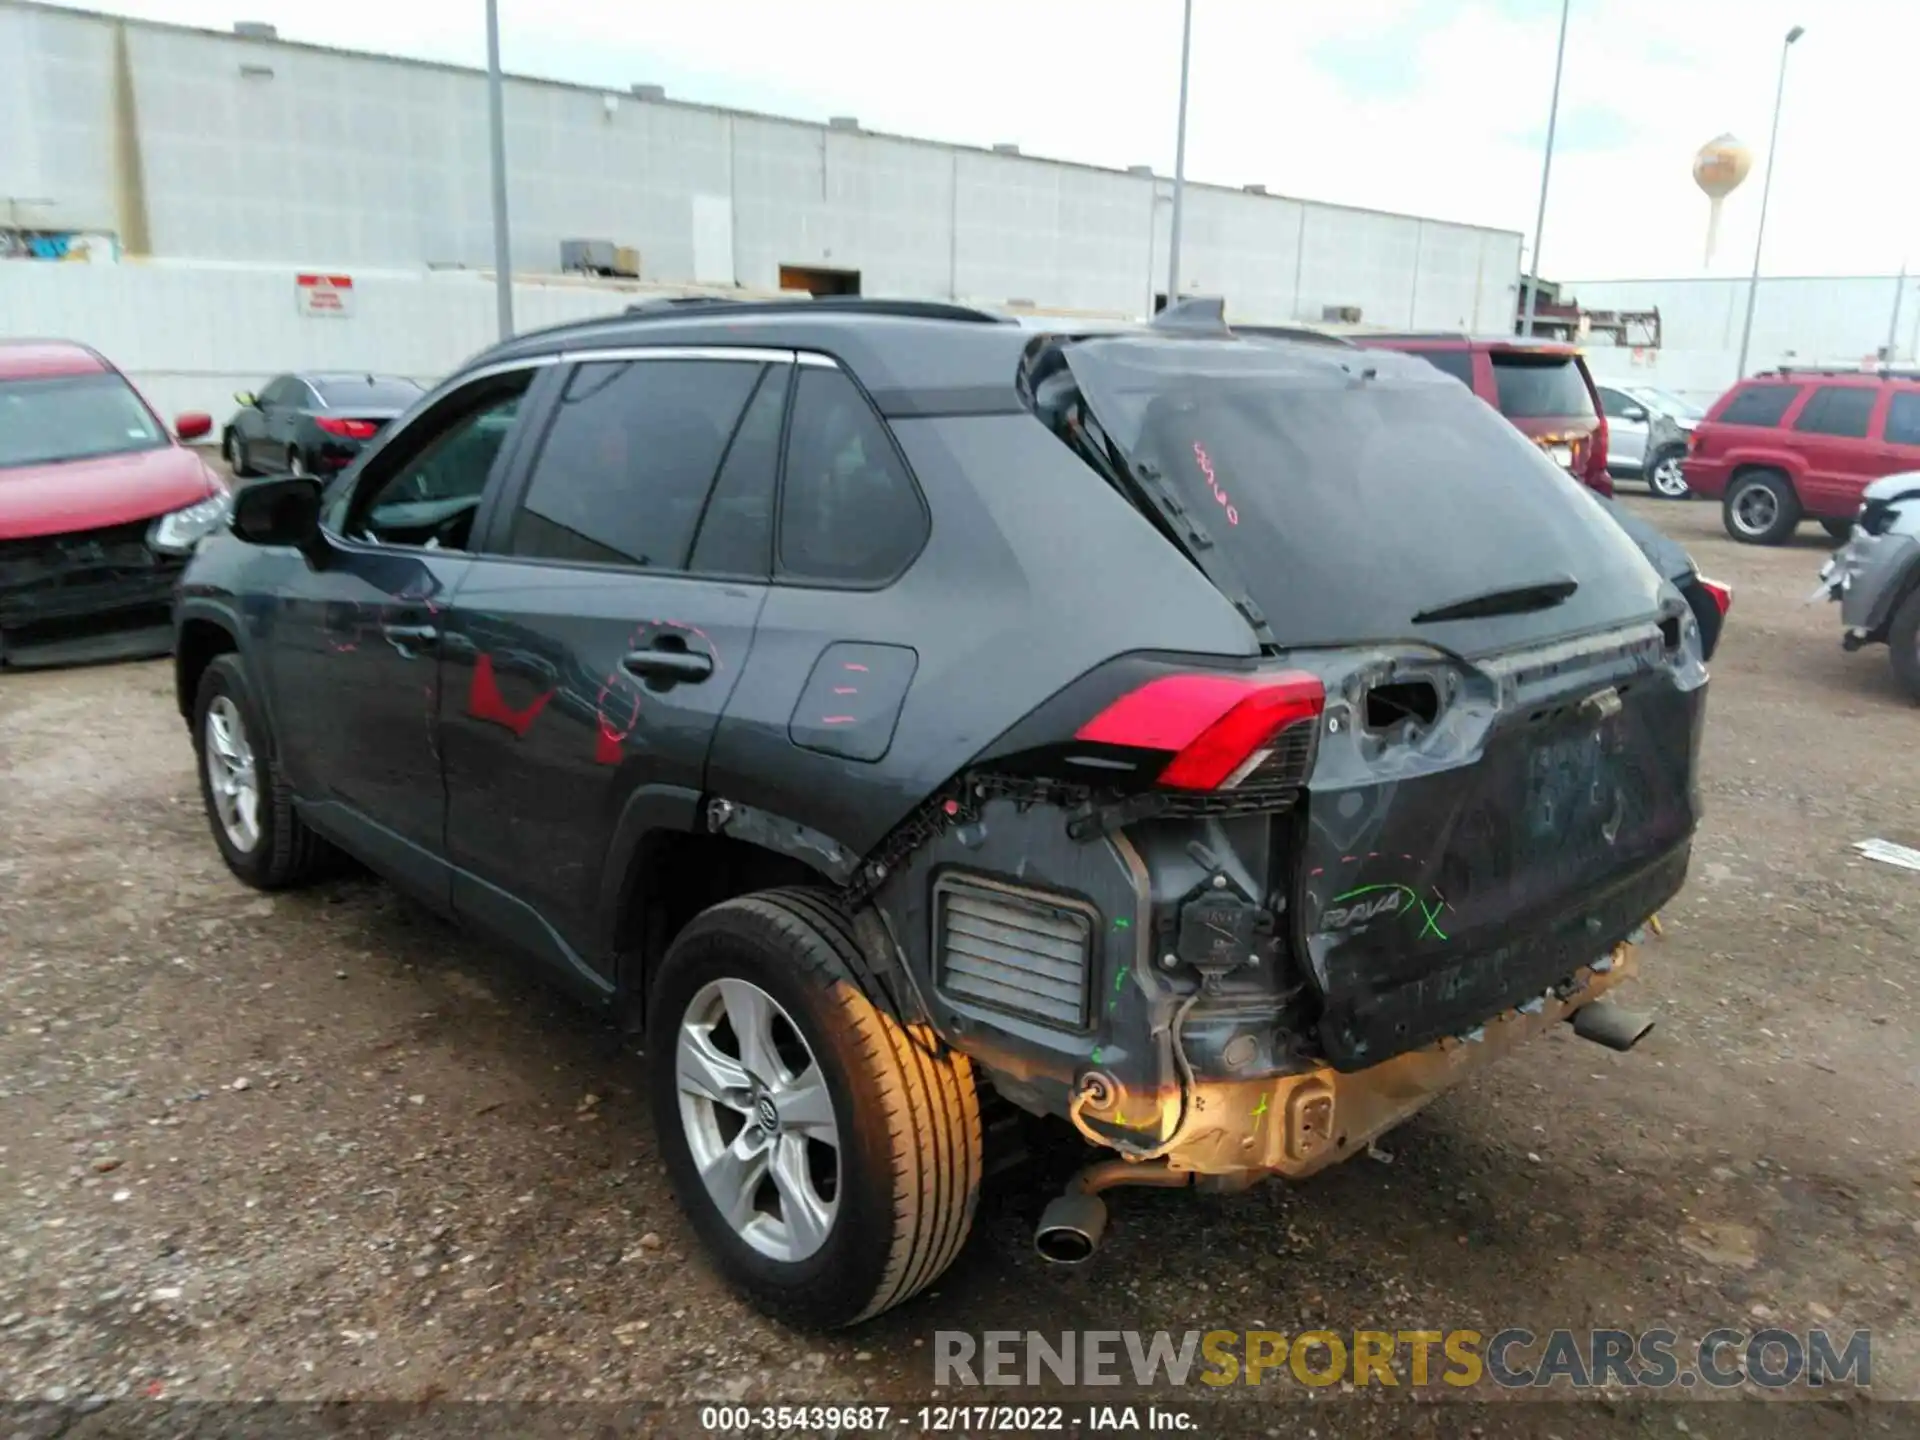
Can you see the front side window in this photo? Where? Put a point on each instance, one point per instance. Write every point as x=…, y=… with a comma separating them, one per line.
x=1838, y=410
x=73, y=417
x=850, y=513
x=1616, y=403
x=1759, y=405
x=425, y=488
x=629, y=459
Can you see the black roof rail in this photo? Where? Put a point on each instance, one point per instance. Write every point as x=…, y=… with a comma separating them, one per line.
x=1870, y=372
x=824, y=304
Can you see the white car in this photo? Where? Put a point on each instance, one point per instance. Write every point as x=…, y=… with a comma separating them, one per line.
x=1647, y=430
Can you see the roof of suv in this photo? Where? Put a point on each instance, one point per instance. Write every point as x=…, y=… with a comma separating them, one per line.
x=38, y=359
x=1450, y=339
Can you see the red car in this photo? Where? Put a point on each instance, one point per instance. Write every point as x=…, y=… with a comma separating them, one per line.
x=1543, y=388
x=100, y=506
x=1798, y=444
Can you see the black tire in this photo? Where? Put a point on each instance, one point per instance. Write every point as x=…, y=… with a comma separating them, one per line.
x=1760, y=508
x=1838, y=529
x=1667, y=455
x=1903, y=642
x=237, y=460
x=286, y=852
x=908, y=1118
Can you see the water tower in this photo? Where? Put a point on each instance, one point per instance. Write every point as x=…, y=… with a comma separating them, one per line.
x=1718, y=168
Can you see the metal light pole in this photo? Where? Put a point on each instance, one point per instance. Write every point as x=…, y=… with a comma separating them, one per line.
x=1546, y=169
x=497, y=125
x=1893, y=325
x=1179, y=162
x=1766, y=190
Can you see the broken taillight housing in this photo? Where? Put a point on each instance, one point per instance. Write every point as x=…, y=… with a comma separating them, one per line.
x=1720, y=593
x=1217, y=730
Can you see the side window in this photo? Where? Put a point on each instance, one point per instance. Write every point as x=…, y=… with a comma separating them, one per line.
x=278, y=392
x=1903, y=418
x=425, y=487
x=1838, y=410
x=736, y=532
x=1615, y=403
x=631, y=454
x=1759, y=405
x=1457, y=363
x=850, y=513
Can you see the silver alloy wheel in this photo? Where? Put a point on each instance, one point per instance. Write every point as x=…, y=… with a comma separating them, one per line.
x=232, y=777
x=758, y=1119
x=1755, y=509
x=1668, y=478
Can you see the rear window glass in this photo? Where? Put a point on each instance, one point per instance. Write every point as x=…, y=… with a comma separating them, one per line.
x=1759, y=404
x=1347, y=506
x=1538, y=387
x=380, y=390
x=1903, y=418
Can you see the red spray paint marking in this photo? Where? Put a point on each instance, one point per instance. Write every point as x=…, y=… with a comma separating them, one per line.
x=343, y=647
x=484, y=701
x=849, y=665
x=836, y=719
x=846, y=689
x=1206, y=468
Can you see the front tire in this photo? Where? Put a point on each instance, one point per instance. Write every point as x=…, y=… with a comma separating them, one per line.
x=1761, y=508
x=1666, y=477
x=1903, y=643
x=828, y=1156
x=248, y=804
x=1838, y=529
x=237, y=460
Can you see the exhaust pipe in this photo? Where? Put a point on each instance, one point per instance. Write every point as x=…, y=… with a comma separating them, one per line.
x=1075, y=1221
x=1608, y=1024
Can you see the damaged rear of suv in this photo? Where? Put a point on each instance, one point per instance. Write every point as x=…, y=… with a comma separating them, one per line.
x=1220, y=744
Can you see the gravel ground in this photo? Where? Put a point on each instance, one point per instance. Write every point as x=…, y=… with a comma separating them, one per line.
x=321, y=1146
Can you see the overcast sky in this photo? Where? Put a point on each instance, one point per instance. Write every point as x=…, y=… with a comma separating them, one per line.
x=1436, y=107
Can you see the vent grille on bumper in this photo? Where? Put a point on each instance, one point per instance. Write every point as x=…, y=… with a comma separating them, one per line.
x=1016, y=951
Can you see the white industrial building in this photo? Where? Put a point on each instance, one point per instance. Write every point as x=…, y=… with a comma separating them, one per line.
x=216, y=165
x=1803, y=320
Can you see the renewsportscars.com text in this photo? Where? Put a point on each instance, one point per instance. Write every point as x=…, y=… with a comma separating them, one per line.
x=1513, y=1359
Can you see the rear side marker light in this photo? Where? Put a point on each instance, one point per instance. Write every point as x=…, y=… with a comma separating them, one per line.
x=346, y=429
x=1218, y=728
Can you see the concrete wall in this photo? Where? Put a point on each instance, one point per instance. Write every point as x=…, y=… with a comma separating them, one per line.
x=195, y=144
x=1814, y=320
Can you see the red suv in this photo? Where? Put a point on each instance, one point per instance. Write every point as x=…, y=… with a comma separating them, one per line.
x=1542, y=387
x=100, y=505
x=1803, y=444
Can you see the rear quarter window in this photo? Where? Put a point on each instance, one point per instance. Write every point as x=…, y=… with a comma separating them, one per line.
x=1457, y=363
x=1540, y=387
x=1759, y=405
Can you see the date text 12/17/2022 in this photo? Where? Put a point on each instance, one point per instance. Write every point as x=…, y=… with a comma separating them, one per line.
x=943, y=1419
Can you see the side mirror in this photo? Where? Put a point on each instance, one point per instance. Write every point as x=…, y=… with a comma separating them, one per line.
x=1634, y=413
x=192, y=424
x=280, y=512
x=244, y=399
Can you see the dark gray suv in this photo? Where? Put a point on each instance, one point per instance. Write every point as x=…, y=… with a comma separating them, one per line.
x=1219, y=744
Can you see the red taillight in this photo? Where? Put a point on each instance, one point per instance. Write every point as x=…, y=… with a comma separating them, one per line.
x=1720, y=593
x=1218, y=727
x=347, y=429
x=1597, y=477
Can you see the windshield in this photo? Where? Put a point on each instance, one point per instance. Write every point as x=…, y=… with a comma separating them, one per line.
x=1672, y=404
x=381, y=390
x=73, y=417
x=1540, y=387
x=1347, y=506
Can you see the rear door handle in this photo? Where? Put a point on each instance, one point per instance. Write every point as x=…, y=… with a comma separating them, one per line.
x=689, y=666
x=401, y=636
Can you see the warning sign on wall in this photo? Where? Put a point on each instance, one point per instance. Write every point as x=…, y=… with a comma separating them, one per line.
x=327, y=295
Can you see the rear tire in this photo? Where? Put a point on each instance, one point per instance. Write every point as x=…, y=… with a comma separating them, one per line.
x=904, y=1120
x=1761, y=508
x=248, y=803
x=237, y=460
x=1903, y=643
x=1665, y=476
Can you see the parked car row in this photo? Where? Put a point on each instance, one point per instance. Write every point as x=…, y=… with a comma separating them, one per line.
x=899, y=712
x=313, y=423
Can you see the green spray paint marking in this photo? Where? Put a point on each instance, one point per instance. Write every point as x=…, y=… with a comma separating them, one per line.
x=1096, y=1054
x=1118, y=981
x=1259, y=1111
x=1430, y=913
x=1120, y=922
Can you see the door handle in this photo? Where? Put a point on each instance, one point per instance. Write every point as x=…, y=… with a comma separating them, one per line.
x=401, y=636
x=689, y=666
